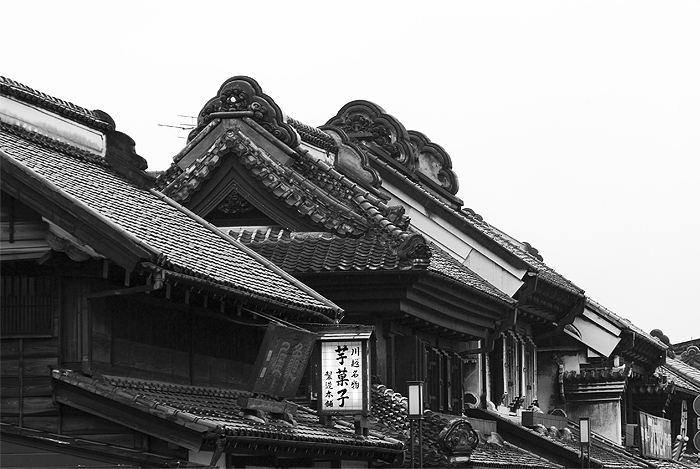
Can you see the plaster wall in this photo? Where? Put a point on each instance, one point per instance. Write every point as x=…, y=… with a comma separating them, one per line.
x=548, y=392
x=571, y=362
x=606, y=417
x=548, y=368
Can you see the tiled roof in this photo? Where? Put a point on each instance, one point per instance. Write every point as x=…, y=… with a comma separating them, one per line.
x=122, y=456
x=625, y=323
x=309, y=190
x=681, y=374
x=59, y=106
x=325, y=252
x=181, y=242
x=314, y=136
x=319, y=251
x=592, y=383
x=445, y=265
x=476, y=222
x=604, y=452
x=215, y=411
x=686, y=464
x=181, y=184
x=596, y=375
x=389, y=416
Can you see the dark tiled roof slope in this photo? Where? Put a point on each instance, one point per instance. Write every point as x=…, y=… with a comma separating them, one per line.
x=319, y=252
x=445, y=265
x=59, y=106
x=185, y=244
x=604, y=452
x=389, y=416
x=682, y=374
x=684, y=464
x=216, y=410
x=123, y=457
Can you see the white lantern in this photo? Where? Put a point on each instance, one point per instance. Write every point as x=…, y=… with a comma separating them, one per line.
x=415, y=399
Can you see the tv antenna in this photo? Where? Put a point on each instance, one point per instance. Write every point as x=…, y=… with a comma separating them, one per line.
x=184, y=126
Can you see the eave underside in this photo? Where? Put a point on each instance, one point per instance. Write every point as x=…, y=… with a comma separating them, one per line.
x=411, y=299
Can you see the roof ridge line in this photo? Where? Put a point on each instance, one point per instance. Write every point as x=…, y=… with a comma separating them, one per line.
x=60, y=106
x=55, y=144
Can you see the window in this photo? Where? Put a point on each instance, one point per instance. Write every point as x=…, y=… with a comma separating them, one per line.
x=26, y=306
x=514, y=370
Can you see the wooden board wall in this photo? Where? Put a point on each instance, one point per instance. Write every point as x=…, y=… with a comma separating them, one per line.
x=26, y=398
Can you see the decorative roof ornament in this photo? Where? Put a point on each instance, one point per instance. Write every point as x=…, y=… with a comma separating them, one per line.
x=457, y=439
x=691, y=352
x=434, y=162
x=415, y=249
x=351, y=160
x=235, y=203
x=241, y=96
x=384, y=135
x=366, y=122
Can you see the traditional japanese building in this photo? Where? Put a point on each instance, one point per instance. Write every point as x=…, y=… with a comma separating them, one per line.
x=138, y=312
x=131, y=327
x=312, y=201
x=366, y=213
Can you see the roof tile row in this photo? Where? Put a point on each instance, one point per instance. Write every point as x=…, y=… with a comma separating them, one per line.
x=325, y=252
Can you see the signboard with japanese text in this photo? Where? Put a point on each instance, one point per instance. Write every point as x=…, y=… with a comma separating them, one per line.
x=281, y=361
x=655, y=436
x=344, y=377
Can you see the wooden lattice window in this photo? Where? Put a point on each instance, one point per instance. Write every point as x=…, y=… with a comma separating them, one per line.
x=26, y=306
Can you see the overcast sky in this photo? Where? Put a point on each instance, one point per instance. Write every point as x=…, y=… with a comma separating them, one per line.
x=574, y=126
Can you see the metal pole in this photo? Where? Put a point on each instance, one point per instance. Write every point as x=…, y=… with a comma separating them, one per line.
x=589, y=456
x=420, y=443
x=412, y=446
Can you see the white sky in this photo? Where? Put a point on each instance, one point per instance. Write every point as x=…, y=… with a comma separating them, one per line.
x=572, y=125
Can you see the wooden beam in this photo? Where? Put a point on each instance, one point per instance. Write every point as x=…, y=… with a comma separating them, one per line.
x=123, y=291
x=506, y=323
x=566, y=320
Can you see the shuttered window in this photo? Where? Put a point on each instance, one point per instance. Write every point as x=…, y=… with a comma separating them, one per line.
x=26, y=306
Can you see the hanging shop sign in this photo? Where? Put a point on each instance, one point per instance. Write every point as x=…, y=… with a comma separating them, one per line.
x=281, y=361
x=655, y=436
x=345, y=370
